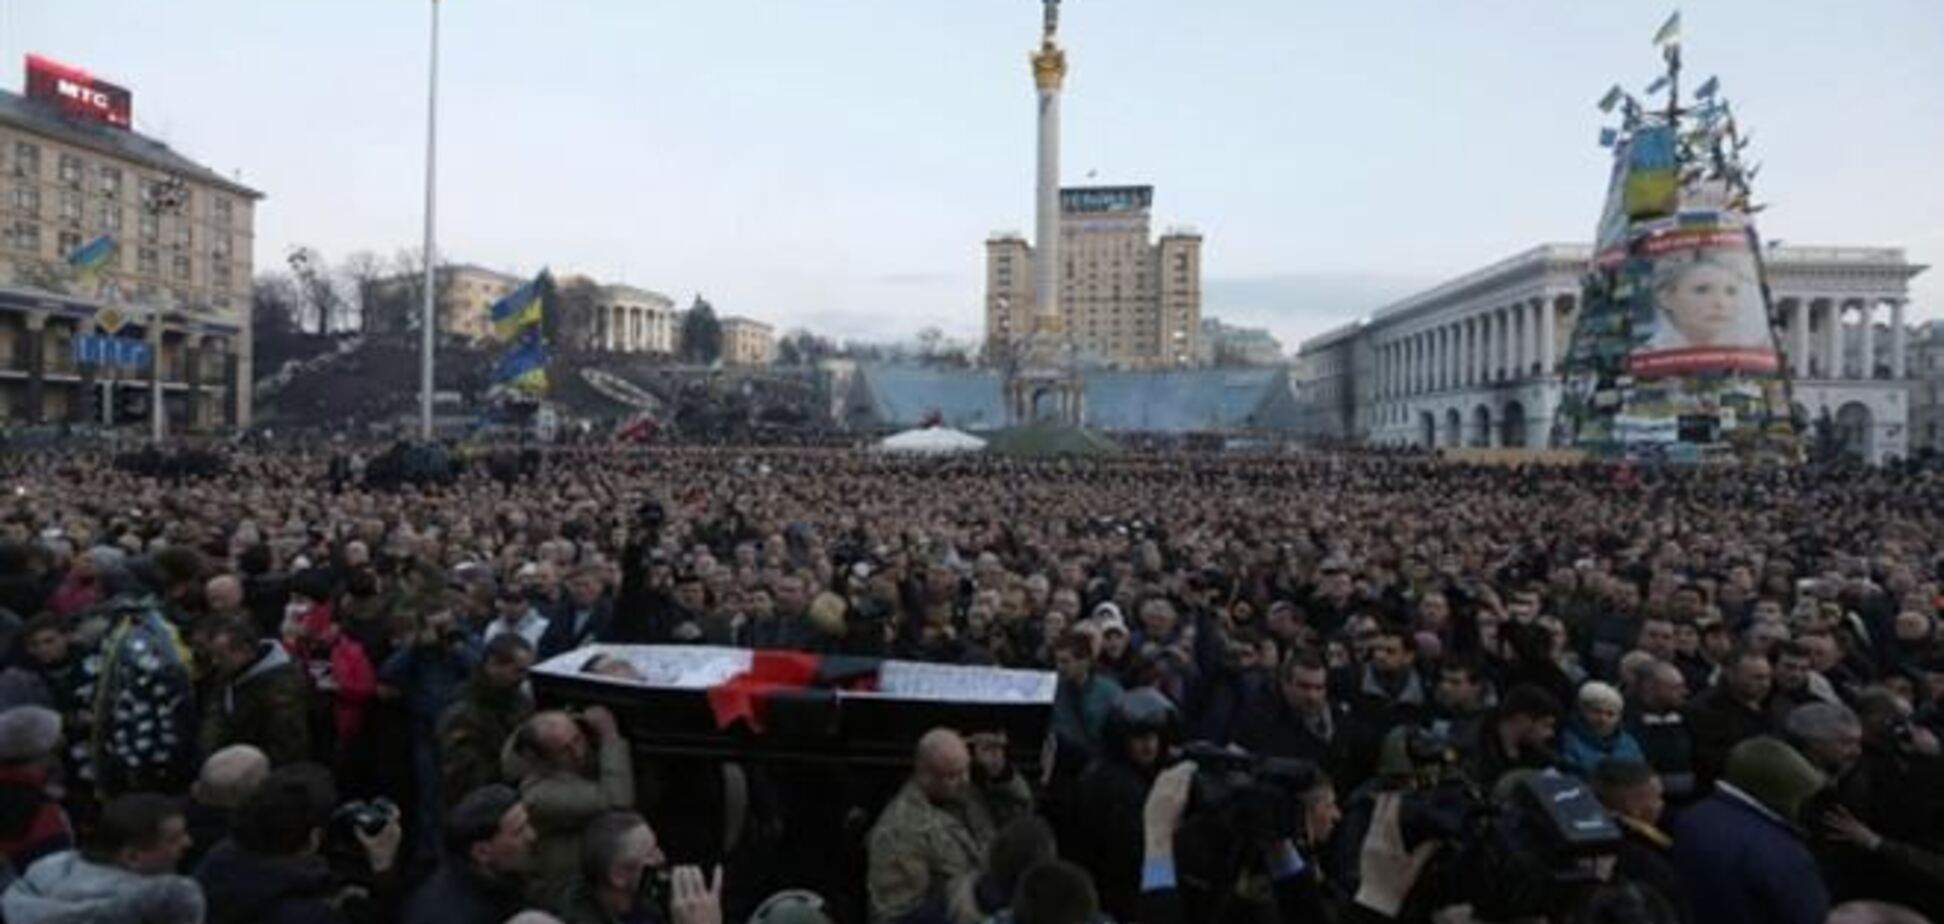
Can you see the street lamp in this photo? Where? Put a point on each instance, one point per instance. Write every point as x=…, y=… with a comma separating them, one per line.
x=166, y=196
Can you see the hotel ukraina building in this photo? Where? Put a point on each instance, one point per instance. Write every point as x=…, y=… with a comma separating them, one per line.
x=1475, y=361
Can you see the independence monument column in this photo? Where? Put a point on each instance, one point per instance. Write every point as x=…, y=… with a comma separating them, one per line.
x=1049, y=69
x=1046, y=385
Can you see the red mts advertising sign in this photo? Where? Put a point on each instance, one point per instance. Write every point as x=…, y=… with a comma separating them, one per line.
x=78, y=93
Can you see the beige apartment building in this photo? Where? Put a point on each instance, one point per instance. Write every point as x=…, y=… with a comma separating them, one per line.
x=747, y=343
x=465, y=302
x=182, y=264
x=1126, y=300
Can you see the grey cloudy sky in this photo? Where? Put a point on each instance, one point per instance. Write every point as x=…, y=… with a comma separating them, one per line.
x=837, y=163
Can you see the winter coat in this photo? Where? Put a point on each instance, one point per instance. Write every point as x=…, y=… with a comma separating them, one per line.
x=32, y=825
x=244, y=888
x=1667, y=743
x=560, y=805
x=430, y=676
x=263, y=706
x=66, y=889
x=1742, y=865
x=571, y=629
x=1272, y=729
x=334, y=665
x=1080, y=717
x=1580, y=750
x=1719, y=723
x=458, y=894
x=473, y=733
x=917, y=850
x=74, y=594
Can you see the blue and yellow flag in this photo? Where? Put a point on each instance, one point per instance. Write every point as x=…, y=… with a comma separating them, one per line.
x=89, y=259
x=519, y=310
x=524, y=367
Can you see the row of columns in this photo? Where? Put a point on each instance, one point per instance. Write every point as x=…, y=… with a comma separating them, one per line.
x=1824, y=354
x=638, y=330
x=38, y=361
x=1496, y=345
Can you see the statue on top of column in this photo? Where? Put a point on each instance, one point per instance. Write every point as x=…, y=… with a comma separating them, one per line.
x=1052, y=18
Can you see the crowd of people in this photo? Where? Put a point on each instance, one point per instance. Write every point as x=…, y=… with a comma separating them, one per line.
x=1323, y=687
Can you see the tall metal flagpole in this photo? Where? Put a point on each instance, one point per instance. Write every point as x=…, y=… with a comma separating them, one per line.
x=428, y=321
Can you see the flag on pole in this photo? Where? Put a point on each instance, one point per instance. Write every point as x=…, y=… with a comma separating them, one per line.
x=519, y=310
x=1670, y=31
x=1612, y=98
x=1707, y=88
x=524, y=367
x=89, y=258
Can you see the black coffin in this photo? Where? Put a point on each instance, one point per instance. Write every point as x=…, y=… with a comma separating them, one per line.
x=668, y=713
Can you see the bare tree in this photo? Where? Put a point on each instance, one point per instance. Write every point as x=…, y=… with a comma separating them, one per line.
x=274, y=305
x=573, y=318
x=396, y=299
x=360, y=274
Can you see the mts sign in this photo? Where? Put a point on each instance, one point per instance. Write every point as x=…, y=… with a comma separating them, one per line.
x=78, y=93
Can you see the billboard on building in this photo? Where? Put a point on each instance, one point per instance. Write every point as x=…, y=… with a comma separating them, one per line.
x=78, y=93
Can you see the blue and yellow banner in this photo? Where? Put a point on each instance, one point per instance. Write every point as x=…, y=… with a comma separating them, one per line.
x=524, y=367
x=89, y=259
x=519, y=310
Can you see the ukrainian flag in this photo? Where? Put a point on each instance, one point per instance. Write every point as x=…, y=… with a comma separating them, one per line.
x=519, y=310
x=524, y=367
x=92, y=256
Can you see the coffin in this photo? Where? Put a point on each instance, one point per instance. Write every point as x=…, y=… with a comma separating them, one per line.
x=668, y=712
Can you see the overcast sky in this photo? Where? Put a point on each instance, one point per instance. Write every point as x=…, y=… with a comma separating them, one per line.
x=837, y=164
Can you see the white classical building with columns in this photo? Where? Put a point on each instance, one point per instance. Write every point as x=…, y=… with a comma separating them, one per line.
x=1475, y=361
x=633, y=320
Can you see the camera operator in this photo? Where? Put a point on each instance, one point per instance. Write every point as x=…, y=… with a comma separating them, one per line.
x=273, y=868
x=1104, y=831
x=1296, y=891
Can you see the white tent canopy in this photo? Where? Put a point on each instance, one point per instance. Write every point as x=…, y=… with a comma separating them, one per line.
x=931, y=440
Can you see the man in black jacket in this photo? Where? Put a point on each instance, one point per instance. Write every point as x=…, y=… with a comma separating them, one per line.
x=1735, y=710
x=585, y=619
x=1300, y=720
x=489, y=848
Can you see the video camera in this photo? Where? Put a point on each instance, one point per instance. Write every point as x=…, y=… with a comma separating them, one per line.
x=1238, y=804
x=1525, y=849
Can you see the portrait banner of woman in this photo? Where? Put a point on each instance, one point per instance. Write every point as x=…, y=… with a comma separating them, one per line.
x=1708, y=313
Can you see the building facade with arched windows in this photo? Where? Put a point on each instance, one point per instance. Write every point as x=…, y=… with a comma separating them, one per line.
x=1475, y=361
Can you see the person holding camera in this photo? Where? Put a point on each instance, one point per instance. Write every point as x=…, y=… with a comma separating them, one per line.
x=273, y=868
x=570, y=768
x=1295, y=888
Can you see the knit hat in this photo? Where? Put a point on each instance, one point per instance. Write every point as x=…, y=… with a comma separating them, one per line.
x=1774, y=774
x=477, y=817
x=28, y=733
